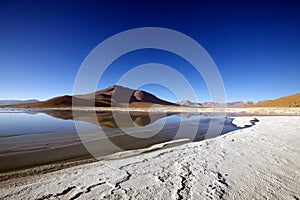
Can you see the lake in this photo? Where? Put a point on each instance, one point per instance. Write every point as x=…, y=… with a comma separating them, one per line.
x=31, y=138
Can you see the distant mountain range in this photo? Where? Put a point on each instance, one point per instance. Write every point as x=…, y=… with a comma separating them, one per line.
x=189, y=103
x=237, y=104
x=287, y=101
x=15, y=102
x=119, y=96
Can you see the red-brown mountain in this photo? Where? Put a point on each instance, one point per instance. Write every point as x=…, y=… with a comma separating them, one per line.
x=112, y=96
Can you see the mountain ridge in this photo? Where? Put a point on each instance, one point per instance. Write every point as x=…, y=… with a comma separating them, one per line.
x=286, y=101
x=235, y=104
x=119, y=96
x=115, y=96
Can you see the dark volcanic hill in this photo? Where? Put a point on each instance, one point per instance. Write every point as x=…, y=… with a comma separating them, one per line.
x=287, y=101
x=111, y=96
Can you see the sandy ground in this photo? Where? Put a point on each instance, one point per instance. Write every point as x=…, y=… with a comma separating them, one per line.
x=259, y=162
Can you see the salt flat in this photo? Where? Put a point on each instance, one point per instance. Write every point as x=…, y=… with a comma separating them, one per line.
x=258, y=162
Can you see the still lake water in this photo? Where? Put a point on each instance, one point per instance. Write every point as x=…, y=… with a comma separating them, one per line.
x=17, y=124
x=31, y=138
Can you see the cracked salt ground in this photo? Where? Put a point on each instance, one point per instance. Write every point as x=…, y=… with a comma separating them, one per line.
x=260, y=162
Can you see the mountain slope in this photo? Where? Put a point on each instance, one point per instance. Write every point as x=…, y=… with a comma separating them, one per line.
x=118, y=95
x=287, y=101
x=111, y=96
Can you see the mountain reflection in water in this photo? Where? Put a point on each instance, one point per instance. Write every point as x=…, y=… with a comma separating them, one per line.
x=108, y=119
x=57, y=139
x=136, y=130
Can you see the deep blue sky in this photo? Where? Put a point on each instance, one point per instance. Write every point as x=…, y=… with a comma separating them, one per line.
x=255, y=44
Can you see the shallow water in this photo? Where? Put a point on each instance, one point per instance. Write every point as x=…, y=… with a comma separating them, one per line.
x=36, y=137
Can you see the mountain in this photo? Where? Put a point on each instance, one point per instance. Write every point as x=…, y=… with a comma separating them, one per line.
x=236, y=104
x=287, y=101
x=189, y=103
x=108, y=119
x=15, y=102
x=112, y=96
x=117, y=95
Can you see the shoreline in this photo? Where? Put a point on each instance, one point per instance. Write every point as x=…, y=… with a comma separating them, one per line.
x=169, y=109
x=85, y=156
x=74, y=151
x=221, y=167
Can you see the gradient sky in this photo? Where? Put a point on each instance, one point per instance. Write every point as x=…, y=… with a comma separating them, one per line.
x=255, y=44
